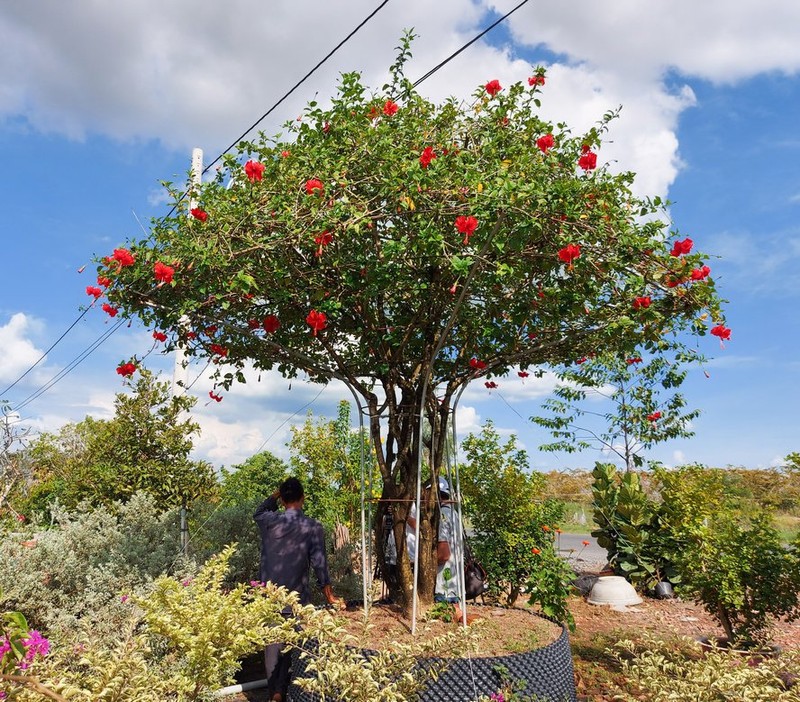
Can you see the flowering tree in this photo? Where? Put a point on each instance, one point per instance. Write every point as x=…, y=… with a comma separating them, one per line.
x=407, y=249
x=644, y=409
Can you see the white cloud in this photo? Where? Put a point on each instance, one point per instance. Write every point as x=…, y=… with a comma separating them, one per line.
x=678, y=458
x=19, y=351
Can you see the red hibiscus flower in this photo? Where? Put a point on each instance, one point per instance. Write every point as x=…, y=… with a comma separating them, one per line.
x=191, y=335
x=102, y=280
x=254, y=170
x=581, y=361
x=317, y=321
x=285, y=154
x=159, y=336
x=641, y=303
x=214, y=396
x=322, y=240
x=109, y=310
x=538, y=79
x=493, y=87
x=545, y=143
x=681, y=247
x=93, y=291
x=490, y=385
x=466, y=226
x=631, y=361
x=700, y=273
x=123, y=257
x=588, y=161
x=271, y=324
x=211, y=329
x=253, y=323
x=569, y=253
x=199, y=214
x=722, y=332
x=523, y=374
x=163, y=272
x=390, y=108
x=476, y=364
x=126, y=370
x=535, y=551
x=428, y=154
x=218, y=350
x=654, y=416
x=314, y=187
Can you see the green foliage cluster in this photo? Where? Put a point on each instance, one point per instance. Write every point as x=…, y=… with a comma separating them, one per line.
x=72, y=575
x=699, y=534
x=513, y=524
x=659, y=671
x=183, y=640
x=145, y=446
x=644, y=409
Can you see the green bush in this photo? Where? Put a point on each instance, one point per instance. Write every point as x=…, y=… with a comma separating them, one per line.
x=662, y=672
x=75, y=572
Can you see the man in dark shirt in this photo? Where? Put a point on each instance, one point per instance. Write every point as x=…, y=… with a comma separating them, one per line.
x=290, y=542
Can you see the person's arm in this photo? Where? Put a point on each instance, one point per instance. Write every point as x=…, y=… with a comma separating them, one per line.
x=319, y=562
x=268, y=505
x=442, y=552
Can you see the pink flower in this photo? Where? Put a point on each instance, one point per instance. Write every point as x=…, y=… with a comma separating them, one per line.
x=123, y=257
x=271, y=324
x=109, y=310
x=493, y=87
x=723, y=332
x=199, y=214
x=682, y=247
x=314, y=187
x=390, y=108
x=466, y=226
x=317, y=321
x=427, y=155
x=569, y=253
x=163, y=272
x=93, y=292
x=545, y=143
x=254, y=170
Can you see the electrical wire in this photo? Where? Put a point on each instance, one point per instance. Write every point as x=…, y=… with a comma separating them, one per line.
x=469, y=43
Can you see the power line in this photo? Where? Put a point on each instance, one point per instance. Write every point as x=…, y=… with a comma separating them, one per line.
x=469, y=43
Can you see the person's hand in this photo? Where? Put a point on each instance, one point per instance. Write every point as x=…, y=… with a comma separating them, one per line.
x=334, y=602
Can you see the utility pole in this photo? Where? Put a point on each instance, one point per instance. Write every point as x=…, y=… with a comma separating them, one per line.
x=179, y=373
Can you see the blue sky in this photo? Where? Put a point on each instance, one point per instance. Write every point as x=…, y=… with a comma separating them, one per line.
x=97, y=105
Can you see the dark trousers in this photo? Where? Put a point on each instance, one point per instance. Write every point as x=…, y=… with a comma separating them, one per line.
x=278, y=663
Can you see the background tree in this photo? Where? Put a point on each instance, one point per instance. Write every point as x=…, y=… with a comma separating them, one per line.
x=406, y=249
x=15, y=474
x=326, y=456
x=643, y=412
x=252, y=481
x=503, y=501
x=145, y=446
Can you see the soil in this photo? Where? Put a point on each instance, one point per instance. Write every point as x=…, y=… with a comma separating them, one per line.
x=597, y=629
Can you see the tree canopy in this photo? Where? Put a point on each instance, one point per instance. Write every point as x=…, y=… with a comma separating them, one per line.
x=408, y=248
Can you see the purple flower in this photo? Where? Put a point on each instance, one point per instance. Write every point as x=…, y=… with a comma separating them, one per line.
x=497, y=697
x=35, y=644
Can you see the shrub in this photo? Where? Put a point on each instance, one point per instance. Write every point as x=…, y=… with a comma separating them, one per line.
x=75, y=572
x=660, y=672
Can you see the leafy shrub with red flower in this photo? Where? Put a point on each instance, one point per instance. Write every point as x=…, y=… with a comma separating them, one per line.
x=401, y=303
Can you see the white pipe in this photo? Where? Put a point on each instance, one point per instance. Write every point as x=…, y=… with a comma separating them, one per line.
x=243, y=687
